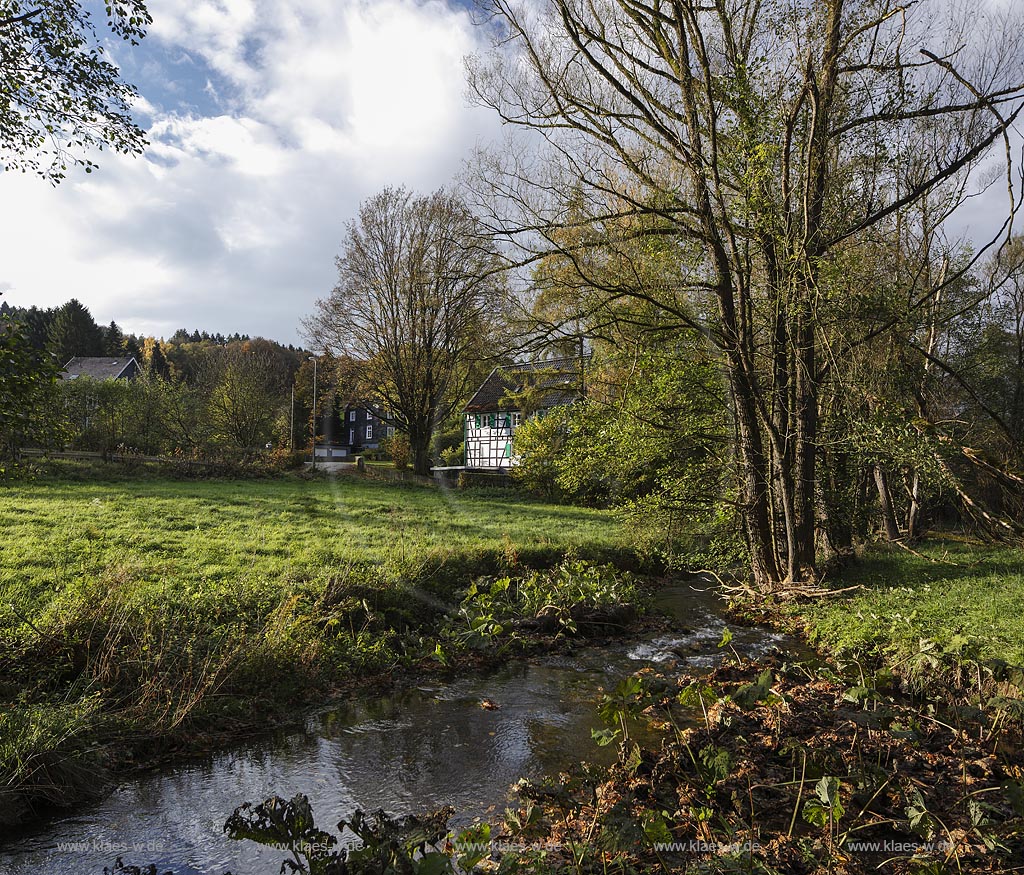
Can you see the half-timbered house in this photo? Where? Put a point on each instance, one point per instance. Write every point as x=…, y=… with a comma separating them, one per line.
x=507, y=397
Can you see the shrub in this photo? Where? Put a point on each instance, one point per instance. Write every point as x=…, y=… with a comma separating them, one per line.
x=453, y=455
x=447, y=442
x=538, y=445
x=398, y=448
x=283, y=459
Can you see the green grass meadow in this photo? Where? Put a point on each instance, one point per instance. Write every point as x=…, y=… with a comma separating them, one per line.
x=944, y=611
x=145, y=611
x=203, y=539
x=142, y=615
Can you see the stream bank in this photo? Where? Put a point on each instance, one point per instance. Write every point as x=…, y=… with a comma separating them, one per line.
x=786, y=770
x=401, y=751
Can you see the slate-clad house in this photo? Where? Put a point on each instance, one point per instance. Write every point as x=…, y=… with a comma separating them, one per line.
x=352, y=429
x=101, y=368
x=496, y=410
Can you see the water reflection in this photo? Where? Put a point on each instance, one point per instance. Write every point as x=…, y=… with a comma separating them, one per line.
x=405, y=752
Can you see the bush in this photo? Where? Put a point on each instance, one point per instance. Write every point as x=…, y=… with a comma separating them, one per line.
x=447, y=442
x=283, y=459
x=538, y=445
x=398, y=448
x=453, y=455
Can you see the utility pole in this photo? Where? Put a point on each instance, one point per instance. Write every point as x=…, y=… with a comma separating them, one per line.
x=313, y=359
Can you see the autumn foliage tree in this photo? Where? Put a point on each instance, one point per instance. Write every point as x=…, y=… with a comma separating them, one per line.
x=414, y=307
x=765, y=142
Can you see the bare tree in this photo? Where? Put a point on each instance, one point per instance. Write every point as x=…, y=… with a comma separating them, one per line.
x=414, y=306
x=767, y=140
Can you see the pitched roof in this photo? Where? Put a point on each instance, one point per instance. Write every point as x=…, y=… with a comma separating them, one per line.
x=558, y=380
x=98, y=367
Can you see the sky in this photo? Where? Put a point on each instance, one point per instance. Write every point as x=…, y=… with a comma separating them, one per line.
x=269, y=121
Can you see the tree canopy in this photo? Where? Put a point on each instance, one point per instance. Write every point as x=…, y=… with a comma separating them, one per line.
x=776, y=147
x=414, y=308
x=60, y=94
x=27, y=382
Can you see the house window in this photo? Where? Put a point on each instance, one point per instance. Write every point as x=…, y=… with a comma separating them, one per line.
x=351, y=416
x=517, y=420
x=351, y=436
x=369, y=432
x=391, y=431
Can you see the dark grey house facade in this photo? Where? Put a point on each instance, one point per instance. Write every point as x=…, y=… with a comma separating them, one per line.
x=352, y=429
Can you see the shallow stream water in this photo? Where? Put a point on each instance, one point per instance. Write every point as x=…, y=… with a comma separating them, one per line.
x=406, y=752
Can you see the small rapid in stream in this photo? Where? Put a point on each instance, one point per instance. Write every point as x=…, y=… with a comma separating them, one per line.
x=407, y=751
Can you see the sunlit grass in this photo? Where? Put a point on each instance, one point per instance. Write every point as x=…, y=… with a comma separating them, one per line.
x=967, y=599
x=173, y=536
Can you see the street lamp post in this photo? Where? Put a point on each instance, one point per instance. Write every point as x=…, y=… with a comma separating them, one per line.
x=313, y=359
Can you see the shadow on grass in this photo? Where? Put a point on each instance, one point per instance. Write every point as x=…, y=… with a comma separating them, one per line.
x=889, y=566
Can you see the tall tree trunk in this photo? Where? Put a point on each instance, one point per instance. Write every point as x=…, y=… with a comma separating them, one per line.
x=756, y=499
x=914, y=509
x=892, y=530
x=783, y=523
x=805, y=450
x=419, y=445
x=810, y=247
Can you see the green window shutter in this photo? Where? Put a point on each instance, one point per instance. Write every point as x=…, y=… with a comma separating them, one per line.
x=508, y=450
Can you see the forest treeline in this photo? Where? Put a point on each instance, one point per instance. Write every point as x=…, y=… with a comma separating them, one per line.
x=197, y=393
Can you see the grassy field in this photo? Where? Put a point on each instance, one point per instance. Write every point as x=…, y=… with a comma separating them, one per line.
x=140, y=608
x=202, y=538
x=954, y=605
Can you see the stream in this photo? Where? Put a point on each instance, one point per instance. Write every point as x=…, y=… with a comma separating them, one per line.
x=407, y=751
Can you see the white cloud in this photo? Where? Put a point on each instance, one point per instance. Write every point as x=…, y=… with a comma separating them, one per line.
x=232, y=220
